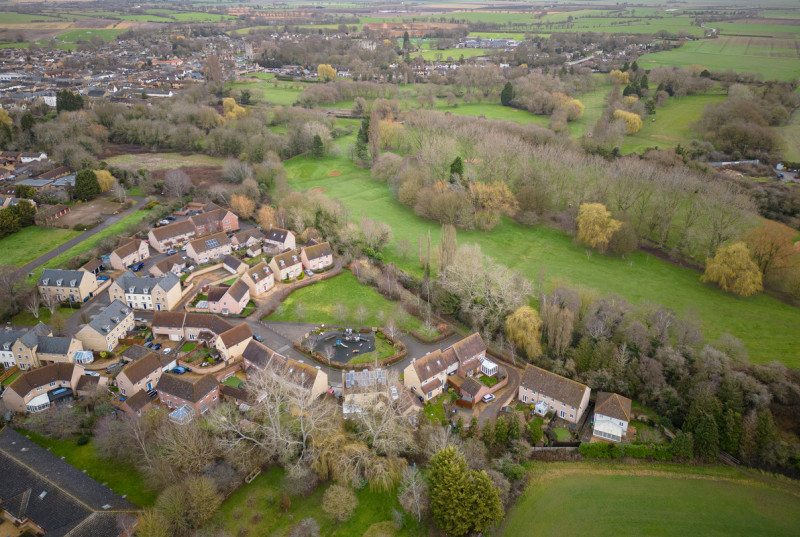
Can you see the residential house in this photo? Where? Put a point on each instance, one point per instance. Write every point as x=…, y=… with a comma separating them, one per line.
x=93, y=267
x=427, y=376
x=317, y=257
x=191, y=326
x=174, y=264
x=228, y=300
x=362, y=390
x=612, y=413
x=141, y=375
x=215, y=221
x=146, y=292
x=38, y=389
x=200, y=393
x=248, y=238
x=470, y=352
x=29, y=349
x=259, y=279
x=549, y=392
x=286, y=266
x=234, y=265
x=165, y=237
x=210, y=248
x=67, y=285
x=36, y=156
x=232, y=343
x=138, y=404
x=279, y=240
x=41, y=494
x=131, y=252
x=260, y=358
x=107, y=328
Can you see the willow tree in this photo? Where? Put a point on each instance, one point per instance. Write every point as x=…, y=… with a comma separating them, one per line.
x=734, y=271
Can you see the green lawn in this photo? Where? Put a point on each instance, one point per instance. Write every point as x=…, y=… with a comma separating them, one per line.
x=233, y=381
x=268, y=91
x=12, y=378
x=188, y=347
x=135, y=191
x=12, y=17
x=741, y=54
x=121, y=477
x=435, y=411
x=496, y=111
x=769, y=328
x=236, y=515
x=26, y=318
x=454, y=53
x=73, y=36
x=594, y=103
x=563, y=435
x=672, y=125
x=29, y=243
x=704, y=501
x=790, y=134
x=114, y=229
x=320, y=300
x=383, y=349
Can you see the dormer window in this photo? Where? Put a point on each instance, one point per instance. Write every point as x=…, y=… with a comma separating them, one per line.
x=72, y=283
x=46, y=281
x=59, y=282
x=131, y=290
x=146, y=290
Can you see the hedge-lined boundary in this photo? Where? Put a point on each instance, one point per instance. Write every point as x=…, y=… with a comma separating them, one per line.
x=320, y=358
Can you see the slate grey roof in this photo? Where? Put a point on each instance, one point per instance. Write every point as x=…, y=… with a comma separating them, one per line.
x=54, y=345
x=191, y=389
x=106, y=318
x=232, y=262
x=53, y=276
x=135, y=352
x=136, y=285
x=277, y=234
x=8, y=337
x=56, y=496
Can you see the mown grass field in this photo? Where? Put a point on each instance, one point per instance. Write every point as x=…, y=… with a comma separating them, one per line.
x=26, y=318
x=73, y=36
x=455, y=53
x=653, y=500
x=121, y=477
x=769, y=328
x=262, y=515
x=270, y=92
x=162, y=161
x=740, y=54
x=790, y=134
x=29, y=243
x=320, y=300
x=12, y=17
x=672, y=125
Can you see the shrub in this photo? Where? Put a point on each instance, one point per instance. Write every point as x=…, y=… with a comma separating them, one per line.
x=513, y=471
x=339, y=502
x=535, y=428
x=599, y=450
x=83, y=440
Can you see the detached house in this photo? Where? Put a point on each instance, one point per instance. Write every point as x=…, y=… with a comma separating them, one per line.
x=612, y=413
x=198, y=393
x=549, y=392
x=165, y=237
x=317, y=257
x=67, y=285
x=141, y=375
x=104, y=331
x=131, y=252
x=207, y=249
x=145, y=292
x=259, y=279
x=174, y=264
x=278, y=240
x=38, y=390
x=286, y=266
x=232, y=343
x=428, y=375
x=228, y=299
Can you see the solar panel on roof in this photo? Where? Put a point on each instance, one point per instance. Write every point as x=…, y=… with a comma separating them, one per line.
x=212, y=243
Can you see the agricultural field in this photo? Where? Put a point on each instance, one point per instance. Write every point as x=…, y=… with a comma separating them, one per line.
x=162, y=161
x=254, y=509
x=790, y=134
x=769, y=328
x=672, y=125
x=455, y=53
x=773, y=58
x=73, y=36
x=29, y=243
x=653, y=500
x=281, y=93
x=317, y=303
x=11, y=17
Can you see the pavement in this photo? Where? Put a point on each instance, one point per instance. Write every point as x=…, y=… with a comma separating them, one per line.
x=109, y=221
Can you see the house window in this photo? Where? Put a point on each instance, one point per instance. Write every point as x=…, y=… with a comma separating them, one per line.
x=562, y=413
x=524, y=398
x=571, y=416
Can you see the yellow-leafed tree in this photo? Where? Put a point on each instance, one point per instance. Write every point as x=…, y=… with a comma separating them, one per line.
x=573, y=107
x=595, y=225
x=632, y=121
x=524, y=328
x=242, y=205
x=231, y=109
x=5, y=119
x=734, y=271
x=105, y=180
x=620, y=77
x=326, y=72
x=266, y=217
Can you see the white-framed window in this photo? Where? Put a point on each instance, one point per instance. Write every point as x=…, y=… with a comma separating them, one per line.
x=524, y=398
x=562, y=413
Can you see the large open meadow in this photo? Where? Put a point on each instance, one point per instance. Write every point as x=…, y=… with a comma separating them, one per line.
x=654, y=500
x=31, y=242
x=769, y=328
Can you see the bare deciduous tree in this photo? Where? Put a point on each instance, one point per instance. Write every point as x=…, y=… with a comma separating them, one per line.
x=177, y=183
x=414, y=493
x=34, y=301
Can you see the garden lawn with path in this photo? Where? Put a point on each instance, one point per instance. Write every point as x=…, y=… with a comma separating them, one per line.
x=29, y=243
x=318, y=305
x=769, y=328
x=263, y=516
x=650, y=499
x=121, y=477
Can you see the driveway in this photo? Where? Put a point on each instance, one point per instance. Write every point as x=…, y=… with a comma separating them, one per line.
x=109, y=221
x=503, y=397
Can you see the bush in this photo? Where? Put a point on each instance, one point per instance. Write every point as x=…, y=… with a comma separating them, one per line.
x=535, y=428
x=339, y=502
x=83, y=440
x=600, y=450
x=302, y=275
x=513, y=471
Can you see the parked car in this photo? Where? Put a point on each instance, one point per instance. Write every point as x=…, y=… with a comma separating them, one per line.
x=137, y=267
x=157, y=346
x=183, y=248
x=163, y=222
x=309, y=273
x=172, y=251
x=102, y=278
x=91, y=373
x=148, y=344
x=258, y=338
x=166, y=350
x=140, y=319
x=113, y=368
x=170, y=218
x=488, y=397
x=179, y=370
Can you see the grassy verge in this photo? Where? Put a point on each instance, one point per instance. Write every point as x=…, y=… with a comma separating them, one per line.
x=649, y=499
x=254, y=509
x=29, y=243
x=769, y=328
x=121, y=477
x=317, y=304
x=26, y=318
